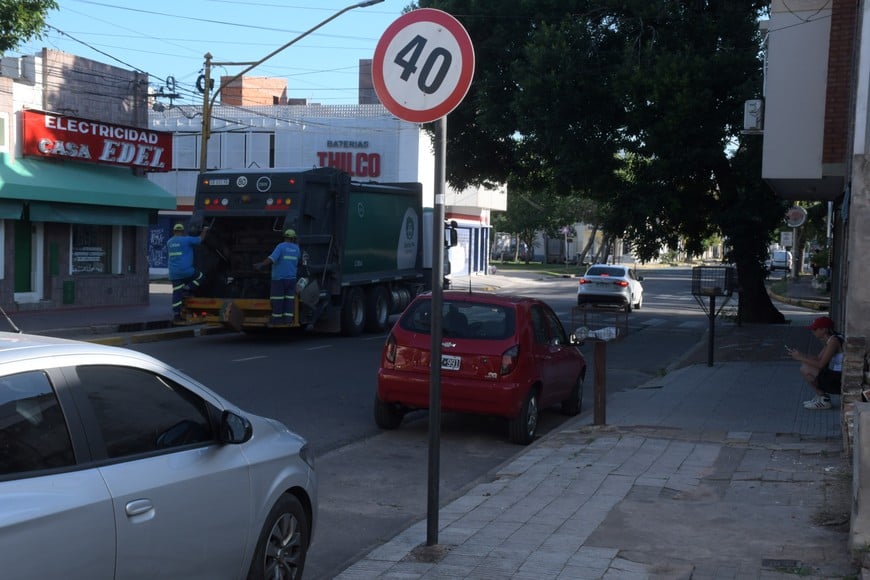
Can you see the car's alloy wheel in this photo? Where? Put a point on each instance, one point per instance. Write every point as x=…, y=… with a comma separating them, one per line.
x=522, y=428
x=283, y=543
x=571, y=406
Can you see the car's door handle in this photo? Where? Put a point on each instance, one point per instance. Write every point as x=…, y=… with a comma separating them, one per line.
x=137, y=507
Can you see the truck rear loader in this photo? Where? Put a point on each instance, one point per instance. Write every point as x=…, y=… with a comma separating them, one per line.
x=362, y=246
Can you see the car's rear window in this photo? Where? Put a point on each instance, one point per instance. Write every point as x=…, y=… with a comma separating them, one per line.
x=462, y=319
x=605, y=271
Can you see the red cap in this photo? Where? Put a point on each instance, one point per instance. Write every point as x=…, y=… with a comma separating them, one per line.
x=822, y=322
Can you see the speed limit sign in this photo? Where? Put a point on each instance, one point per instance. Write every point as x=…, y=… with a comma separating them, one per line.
x=423, y=65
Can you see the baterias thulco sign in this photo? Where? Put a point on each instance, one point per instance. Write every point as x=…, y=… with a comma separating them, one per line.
x=59, y=136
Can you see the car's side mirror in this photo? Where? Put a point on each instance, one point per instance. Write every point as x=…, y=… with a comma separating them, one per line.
x=234, y=428
x=640, y=278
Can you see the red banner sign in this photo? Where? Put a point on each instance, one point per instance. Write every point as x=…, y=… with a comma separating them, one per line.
x=59, y=136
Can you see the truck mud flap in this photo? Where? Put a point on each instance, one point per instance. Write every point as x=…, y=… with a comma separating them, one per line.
x=232, y=316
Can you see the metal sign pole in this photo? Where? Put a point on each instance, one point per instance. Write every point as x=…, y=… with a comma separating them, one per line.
x=435, y=361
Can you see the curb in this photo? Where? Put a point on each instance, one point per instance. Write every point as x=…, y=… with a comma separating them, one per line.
x=127, y=339
x=822, y=305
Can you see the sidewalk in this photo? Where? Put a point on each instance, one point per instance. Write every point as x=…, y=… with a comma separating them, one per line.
x=707, y=472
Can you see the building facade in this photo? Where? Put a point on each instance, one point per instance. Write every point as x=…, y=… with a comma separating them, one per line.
x=366, y=141
x=75, y=205
x=818, y=148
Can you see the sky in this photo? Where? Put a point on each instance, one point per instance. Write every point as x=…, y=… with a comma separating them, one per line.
x=169, y=38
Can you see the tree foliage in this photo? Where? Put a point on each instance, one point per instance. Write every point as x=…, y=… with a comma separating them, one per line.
x=21, y=20
x=636, y=105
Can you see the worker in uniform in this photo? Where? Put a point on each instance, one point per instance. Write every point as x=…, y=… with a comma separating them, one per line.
x=285, y=262
x=183, y=275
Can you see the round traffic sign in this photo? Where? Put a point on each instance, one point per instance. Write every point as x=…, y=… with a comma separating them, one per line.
x=796, y=216
x=423, y=65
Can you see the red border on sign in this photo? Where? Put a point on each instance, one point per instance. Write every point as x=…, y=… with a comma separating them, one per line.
x=464, y=83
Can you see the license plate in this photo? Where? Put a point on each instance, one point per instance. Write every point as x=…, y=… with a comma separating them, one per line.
x=450, y=363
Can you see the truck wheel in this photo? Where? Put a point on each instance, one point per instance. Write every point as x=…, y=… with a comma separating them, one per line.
x=353, y=313
x=377, y=309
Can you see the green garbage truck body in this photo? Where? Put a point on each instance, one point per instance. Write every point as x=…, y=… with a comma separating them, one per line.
x=362, y=245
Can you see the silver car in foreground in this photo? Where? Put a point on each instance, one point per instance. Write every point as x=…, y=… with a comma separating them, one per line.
x=115, y=465
x=611, y=284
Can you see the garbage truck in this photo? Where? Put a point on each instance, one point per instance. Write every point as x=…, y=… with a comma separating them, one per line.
x=362, y=248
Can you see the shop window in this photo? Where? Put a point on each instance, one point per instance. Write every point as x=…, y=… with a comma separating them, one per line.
x=96, y=249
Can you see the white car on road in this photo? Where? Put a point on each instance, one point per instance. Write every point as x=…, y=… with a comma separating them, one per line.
x=610, y=284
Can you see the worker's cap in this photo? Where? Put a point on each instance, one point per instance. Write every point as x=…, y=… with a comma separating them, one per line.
x=289, y=233
x=178, y=228
x=822, y=322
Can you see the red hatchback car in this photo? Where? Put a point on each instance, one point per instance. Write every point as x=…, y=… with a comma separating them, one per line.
x=506, y=356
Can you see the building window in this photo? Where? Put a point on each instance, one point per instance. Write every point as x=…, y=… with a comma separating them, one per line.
x=95, y=249
x=4, y=130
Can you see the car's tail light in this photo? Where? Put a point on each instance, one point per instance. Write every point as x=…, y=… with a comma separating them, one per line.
x=509, y=359
x=622, y=283
x=390, y=349
x=583, y=281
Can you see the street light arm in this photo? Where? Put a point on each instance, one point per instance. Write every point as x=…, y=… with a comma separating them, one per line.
x=206, y=114
x=294, y=41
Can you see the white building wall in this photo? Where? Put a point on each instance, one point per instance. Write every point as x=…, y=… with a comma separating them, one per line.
x=797, y=65
x=364, y=140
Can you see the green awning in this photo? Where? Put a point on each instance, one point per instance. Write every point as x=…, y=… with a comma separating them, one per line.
x=101, y=215
x=10, y=209
x=79, y=183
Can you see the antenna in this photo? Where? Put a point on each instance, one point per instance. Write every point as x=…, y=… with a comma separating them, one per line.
x=469, y=283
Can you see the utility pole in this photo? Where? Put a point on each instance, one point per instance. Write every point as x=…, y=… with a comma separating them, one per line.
x=208, y=101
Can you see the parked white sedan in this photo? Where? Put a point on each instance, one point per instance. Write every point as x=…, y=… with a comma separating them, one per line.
x=127, y=468
x=610, y=284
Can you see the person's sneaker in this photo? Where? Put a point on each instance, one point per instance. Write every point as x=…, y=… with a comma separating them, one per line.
x=821, y=403
x=811, y=401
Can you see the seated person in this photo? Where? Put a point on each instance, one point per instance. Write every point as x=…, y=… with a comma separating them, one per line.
x=824, y=371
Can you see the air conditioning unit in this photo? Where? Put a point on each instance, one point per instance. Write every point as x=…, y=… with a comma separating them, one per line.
x=753, y=115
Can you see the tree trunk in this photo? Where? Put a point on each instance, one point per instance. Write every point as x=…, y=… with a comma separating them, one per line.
x=755, y=303
x=588, y=245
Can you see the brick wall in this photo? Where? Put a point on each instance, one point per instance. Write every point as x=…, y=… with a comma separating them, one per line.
x=81, y=87
x=840, y=63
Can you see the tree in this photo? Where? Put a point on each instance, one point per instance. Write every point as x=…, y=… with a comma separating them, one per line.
x=636, y=104
x=21, y=20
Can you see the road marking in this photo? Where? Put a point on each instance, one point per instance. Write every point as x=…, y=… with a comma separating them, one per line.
x=248, y=358
x=320, y=347
x=379, y=337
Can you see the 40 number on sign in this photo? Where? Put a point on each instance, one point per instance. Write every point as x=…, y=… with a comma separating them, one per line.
x=423, y=65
